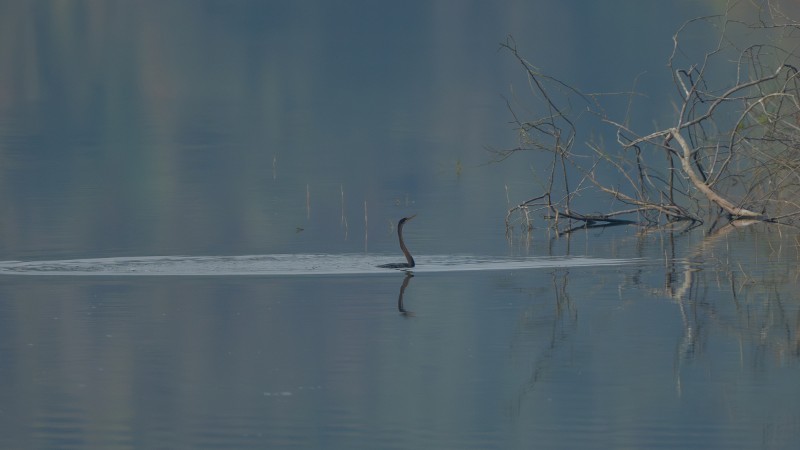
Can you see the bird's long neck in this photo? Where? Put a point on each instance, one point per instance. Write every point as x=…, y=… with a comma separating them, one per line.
x=403, y=247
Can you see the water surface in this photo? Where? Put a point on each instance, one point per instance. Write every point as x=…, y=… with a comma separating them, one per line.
x=587, y=355
x=142, y=144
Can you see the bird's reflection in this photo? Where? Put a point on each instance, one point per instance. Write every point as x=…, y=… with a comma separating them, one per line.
x=403, y=287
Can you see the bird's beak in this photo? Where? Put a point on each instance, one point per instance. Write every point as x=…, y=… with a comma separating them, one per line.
x=411, y=217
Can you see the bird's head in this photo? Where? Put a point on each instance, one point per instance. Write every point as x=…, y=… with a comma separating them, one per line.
x=406, y=219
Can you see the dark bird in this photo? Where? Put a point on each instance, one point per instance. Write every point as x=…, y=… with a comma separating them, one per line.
x=409, y=258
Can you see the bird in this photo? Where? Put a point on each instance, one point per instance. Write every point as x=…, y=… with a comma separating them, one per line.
x=409, y=258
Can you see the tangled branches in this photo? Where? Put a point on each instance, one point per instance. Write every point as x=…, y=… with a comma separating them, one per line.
x=732, y=149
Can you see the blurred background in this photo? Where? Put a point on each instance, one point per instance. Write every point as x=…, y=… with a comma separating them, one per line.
x=219, y=127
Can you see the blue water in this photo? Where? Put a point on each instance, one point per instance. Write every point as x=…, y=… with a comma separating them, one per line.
x=144, y=144
x=621, y=353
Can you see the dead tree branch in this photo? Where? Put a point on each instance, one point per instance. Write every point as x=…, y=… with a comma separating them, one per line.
x=732, y=148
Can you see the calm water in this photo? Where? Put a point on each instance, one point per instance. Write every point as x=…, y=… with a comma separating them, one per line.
x=202, y=191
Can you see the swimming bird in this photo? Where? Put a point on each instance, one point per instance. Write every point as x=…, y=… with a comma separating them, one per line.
x=409, y=258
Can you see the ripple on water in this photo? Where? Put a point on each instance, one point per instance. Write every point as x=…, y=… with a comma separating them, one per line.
x=286, y=264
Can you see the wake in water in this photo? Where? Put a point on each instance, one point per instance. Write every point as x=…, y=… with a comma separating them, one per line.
x=289, y=264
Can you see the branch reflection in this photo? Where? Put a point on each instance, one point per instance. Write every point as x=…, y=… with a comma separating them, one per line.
x=761, y=308
x=735, y=286
x=557, y=330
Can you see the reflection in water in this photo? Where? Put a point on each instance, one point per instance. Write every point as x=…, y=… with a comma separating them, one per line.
x=556, y=333
x=763, y=298
x=400, y=306
x=734, y=317
x=616, y=356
